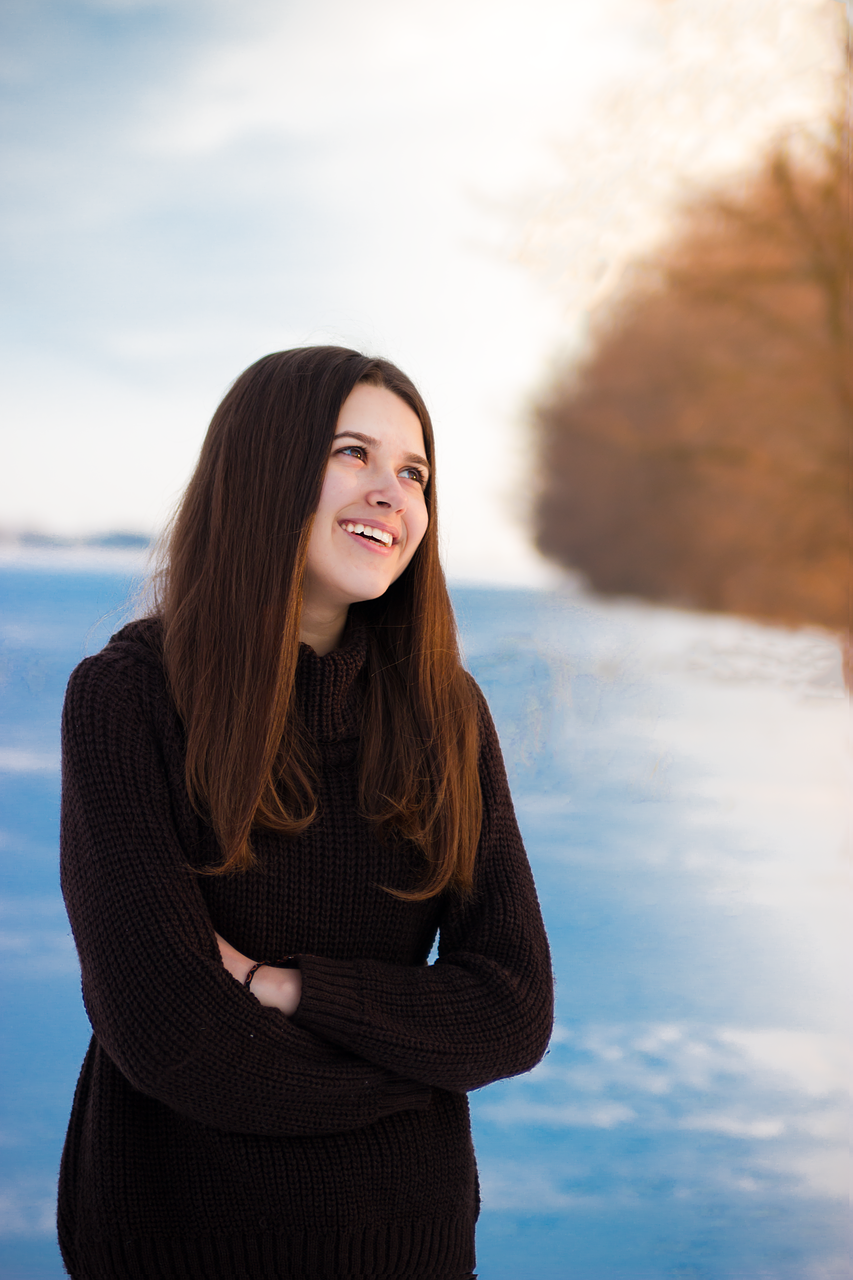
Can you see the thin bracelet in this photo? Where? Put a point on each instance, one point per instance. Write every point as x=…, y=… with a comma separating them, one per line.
x=288, y=962
x=250, y=975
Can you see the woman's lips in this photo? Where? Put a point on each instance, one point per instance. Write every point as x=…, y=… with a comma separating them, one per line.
x=374, y=536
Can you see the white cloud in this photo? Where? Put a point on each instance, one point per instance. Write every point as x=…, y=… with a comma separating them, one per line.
x=22, y=760
x=525, y=1189
x=35, y=954
x=781, y=1095
x=470, y=82
x=760, y=1083
x=815, y=1065
x=35, y=938
x=735, y=1126
x=824, y=1171
x=810, y=1064
x=27, y=1208
x=521, y=1111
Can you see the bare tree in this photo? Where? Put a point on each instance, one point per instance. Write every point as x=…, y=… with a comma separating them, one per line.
x=701, y=453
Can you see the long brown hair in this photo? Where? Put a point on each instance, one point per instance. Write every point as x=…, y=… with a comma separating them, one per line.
x=229, y=593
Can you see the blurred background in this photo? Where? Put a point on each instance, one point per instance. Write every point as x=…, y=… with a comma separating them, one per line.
x=612, y=244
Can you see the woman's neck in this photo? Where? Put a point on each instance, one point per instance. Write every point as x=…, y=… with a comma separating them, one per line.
x=322, y=630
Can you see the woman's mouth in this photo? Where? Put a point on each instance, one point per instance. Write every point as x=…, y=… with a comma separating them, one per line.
x=379, y=537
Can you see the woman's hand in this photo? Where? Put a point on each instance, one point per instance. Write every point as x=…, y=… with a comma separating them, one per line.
x=275, y=988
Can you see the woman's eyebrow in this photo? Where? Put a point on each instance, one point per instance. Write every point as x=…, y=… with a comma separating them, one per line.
x=372, y=443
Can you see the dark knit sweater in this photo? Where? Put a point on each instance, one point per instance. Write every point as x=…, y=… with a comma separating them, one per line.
x=212, y=1137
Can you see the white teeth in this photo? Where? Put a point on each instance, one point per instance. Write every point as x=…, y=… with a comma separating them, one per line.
x=367, y=531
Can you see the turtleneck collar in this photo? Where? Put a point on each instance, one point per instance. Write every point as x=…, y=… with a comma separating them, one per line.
x=329, y=688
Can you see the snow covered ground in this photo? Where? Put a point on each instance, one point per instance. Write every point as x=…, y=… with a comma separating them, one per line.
x=682, y=783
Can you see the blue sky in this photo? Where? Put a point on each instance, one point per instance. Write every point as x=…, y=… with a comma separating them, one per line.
x=191, y=184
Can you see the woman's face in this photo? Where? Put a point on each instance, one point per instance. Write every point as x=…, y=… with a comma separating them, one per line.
x=372, y=513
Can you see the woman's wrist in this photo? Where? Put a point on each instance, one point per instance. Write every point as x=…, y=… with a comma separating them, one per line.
x=277, y=988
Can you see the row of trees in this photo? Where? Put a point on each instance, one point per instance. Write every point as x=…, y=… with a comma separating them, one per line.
x=701, y=454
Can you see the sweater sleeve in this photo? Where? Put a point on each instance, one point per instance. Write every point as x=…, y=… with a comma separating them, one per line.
x=484, y=1010
x=161, y=1004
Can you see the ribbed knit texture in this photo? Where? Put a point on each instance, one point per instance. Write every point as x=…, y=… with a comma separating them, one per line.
x=212, y=1137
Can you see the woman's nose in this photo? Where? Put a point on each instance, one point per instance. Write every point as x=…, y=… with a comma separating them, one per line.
x=389, y=494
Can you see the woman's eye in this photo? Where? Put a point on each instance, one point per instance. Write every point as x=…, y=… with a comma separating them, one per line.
x=414, y=473
x=354, y=451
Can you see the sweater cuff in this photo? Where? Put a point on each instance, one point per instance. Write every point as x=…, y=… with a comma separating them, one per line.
x=331, y=996
x=331, y=1005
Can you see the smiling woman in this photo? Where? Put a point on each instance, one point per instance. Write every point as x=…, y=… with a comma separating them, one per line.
x=372, y=512
x=277, y=790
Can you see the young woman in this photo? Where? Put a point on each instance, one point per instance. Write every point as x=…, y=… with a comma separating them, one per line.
x=277, y=790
